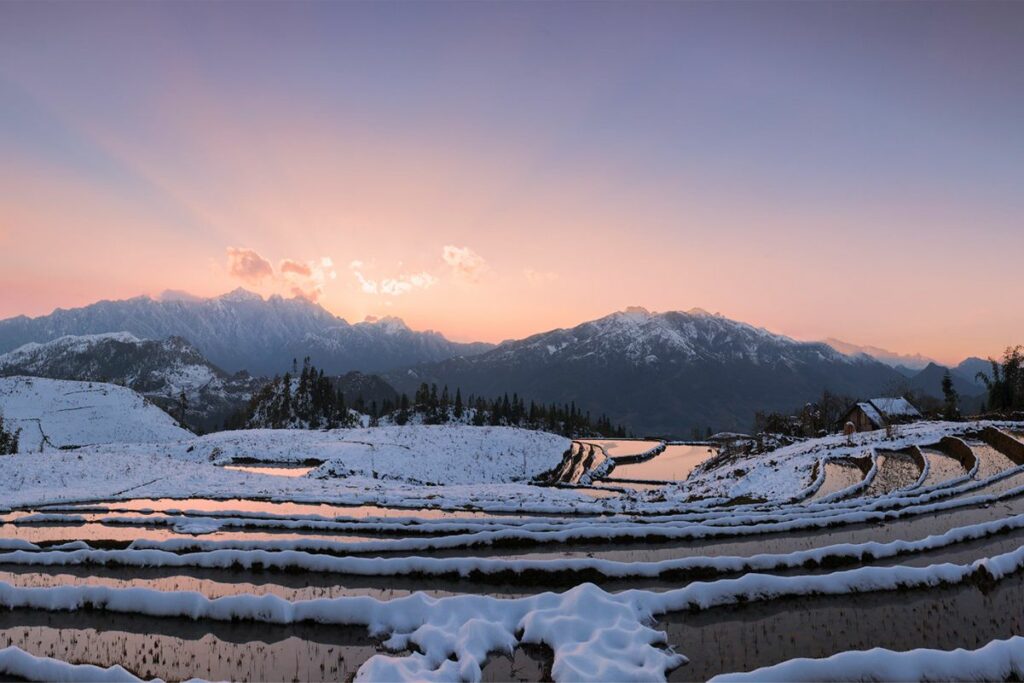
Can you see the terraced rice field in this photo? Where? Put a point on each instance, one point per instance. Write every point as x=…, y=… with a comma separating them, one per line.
x=883, y=555
x=672, y=464
x=840, y=475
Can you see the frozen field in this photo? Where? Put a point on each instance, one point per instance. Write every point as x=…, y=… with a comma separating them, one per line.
x=421, y=553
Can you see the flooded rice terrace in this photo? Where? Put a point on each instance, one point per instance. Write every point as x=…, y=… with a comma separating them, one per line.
x=277, y=470
x=248, y=589
x=673, y=464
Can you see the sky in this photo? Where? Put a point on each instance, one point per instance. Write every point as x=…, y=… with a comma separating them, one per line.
x=850, y=170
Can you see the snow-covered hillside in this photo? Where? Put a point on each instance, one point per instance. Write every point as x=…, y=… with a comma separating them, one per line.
x=419, y=454
x=58, y=413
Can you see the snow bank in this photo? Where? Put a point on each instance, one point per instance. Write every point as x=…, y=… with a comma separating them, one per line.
x=595, y=636
x=999, y=660
x=16, y=662
x=290, y=559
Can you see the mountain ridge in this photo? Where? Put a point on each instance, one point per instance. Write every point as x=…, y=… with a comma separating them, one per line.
x=913, y=361
x=242, y=330
x=160, y=370
x=665, y=373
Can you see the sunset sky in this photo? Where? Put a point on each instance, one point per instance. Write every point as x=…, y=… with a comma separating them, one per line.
x=489, y=171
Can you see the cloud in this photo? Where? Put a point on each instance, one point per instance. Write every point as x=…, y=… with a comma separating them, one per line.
x=306, y=279
x=465, y=263
x=537, y=278
x=289, y=266
x=391, y=286
x=296, y=278
x=247, y=265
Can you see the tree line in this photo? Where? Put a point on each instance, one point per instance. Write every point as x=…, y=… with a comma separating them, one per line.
x=435, y=406
x=309, y=400
x=305, y=400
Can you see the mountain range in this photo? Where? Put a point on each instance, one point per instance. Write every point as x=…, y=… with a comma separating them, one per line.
x=913, y=362
x=243, y=331
x=659, y=373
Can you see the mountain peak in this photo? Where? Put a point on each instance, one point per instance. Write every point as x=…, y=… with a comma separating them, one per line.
x=389, y=324
x=635, y=313
x=177, y=295
x=240, y=294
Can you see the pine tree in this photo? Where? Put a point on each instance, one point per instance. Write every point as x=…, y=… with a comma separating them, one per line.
x=8, y=438
x=458, y=403
x=284, y=414
x=951, y=410
x=182, y=408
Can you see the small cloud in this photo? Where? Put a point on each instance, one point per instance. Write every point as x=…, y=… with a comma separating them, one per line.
x=537, y=278
x=464, y=262
x=289, y=266
x=306, y=279
x=392, y=286
x=247, y=265
x=401, y=285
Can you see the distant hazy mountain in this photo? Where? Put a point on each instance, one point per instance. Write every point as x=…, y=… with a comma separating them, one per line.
x=929, y=382
x=970, y=368
x=241, y=330
x=663, y=373
x=913, y=362
x=159, y=370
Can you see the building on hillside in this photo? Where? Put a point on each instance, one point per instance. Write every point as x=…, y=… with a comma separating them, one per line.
x=878, y=413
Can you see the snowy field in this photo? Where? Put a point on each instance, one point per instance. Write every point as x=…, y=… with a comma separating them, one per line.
x=53, y=414
x=427, y=454
x=429, y=553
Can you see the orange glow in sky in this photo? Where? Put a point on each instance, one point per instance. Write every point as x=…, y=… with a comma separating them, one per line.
x=496, y=171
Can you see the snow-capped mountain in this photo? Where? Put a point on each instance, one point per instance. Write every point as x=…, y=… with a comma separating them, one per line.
x=243, y=331
x=54, y=414
x=664, y=373
x=159, y=370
